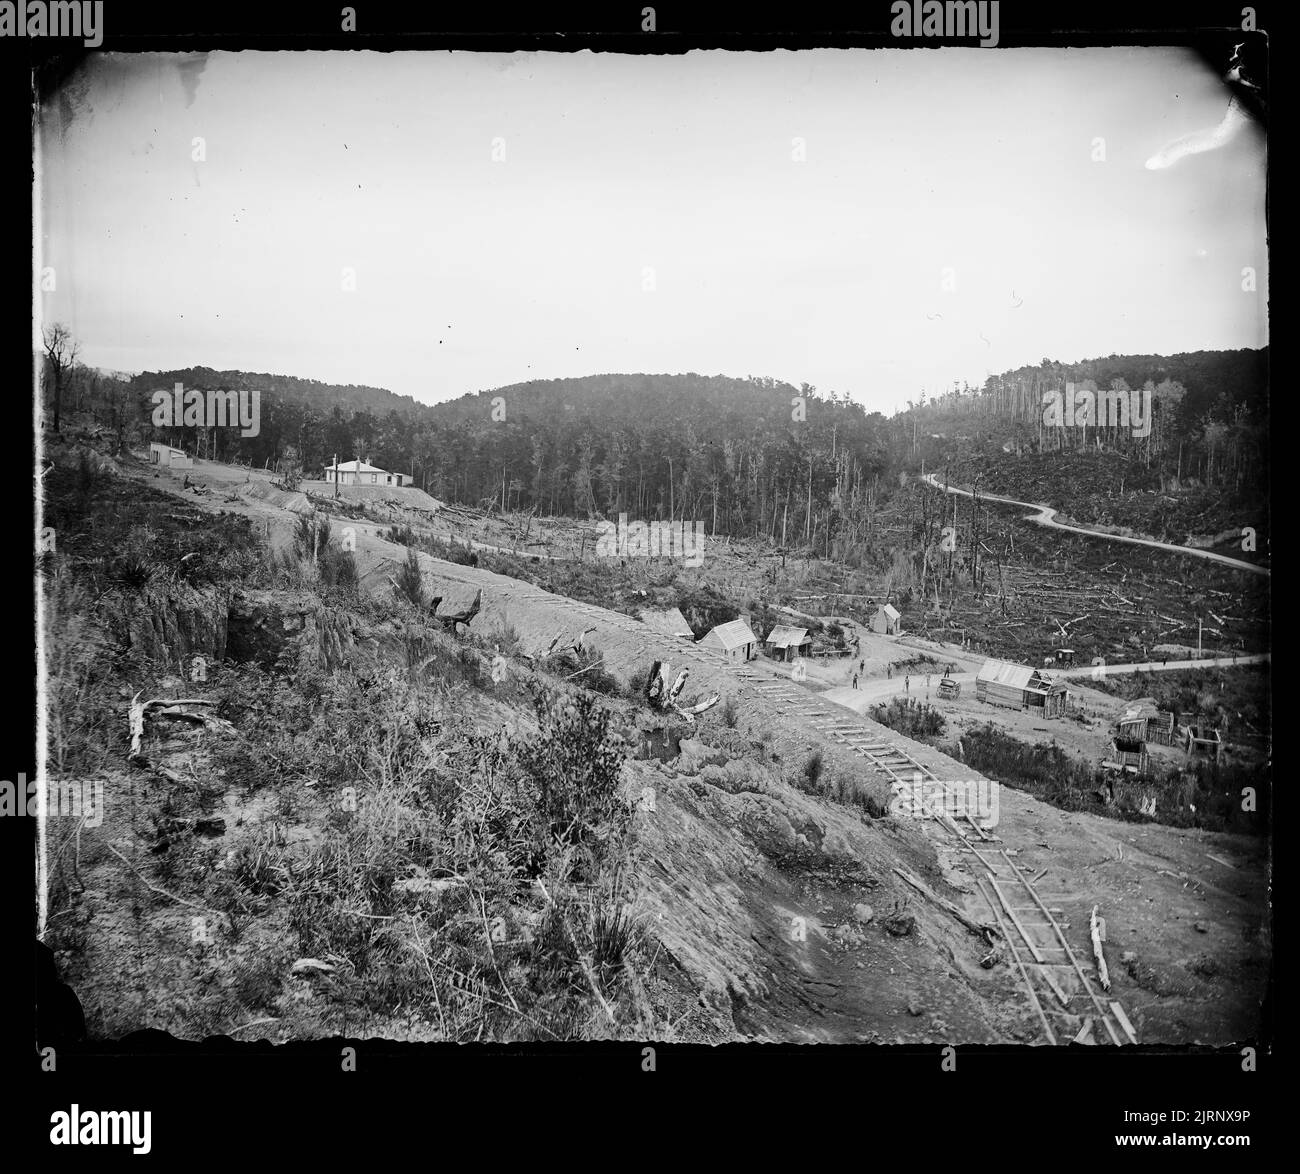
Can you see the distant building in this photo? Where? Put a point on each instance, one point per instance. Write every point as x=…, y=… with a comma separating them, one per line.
x=785, y=643
x=886, y=621
x=362, y=473
x=1017, y=686
x=668, y=622
x=735, y=639
x=170, y=458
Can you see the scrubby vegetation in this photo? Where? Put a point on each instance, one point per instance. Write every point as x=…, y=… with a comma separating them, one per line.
x=911, y=717
x=1236, y=700
x=1205, y=795
x=405, y=871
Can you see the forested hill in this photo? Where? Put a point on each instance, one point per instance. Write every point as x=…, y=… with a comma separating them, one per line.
x=752, y=456
x=1207, y=385
x=285, y=389
x=1206, y=419
x=743, y=452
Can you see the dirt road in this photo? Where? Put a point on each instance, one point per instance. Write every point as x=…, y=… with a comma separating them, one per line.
x=1045, y=515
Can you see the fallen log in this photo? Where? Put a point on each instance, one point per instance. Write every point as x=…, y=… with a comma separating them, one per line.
x=979, y=929
x=168, y=708
x=1095, y=929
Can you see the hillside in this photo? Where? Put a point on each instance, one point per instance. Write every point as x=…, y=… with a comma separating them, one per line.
x=368, y=820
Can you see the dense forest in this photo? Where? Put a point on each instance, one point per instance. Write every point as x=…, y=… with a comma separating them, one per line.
x=747, y=457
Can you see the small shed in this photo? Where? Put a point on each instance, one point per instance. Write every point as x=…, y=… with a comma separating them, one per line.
x=886, y=621
x=1128, y=754
x=668, y=622
x=1018, y=686
x=169, y=457
x=785, y=642
x=735, y=639
x=1143, y=719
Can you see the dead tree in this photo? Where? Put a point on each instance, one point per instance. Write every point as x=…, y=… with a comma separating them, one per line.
x=61, y=354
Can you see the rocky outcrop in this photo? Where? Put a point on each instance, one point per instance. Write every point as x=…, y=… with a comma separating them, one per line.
x=176, y=621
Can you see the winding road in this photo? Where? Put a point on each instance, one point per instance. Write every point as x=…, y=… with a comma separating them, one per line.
x=1045, y=515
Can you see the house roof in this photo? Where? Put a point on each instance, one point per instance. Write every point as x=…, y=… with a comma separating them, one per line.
x=734, y=634
x=1017, y=676
x=890, y=610
x=357, y=467
x=785, y=636
x=667, y=621
x=1140, y=710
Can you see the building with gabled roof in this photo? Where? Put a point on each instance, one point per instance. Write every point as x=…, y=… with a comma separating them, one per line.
x=735, y=639
x=667, y=622
x=361, y=472
x=1018, y=686
x=785, y=642
x=887, y=621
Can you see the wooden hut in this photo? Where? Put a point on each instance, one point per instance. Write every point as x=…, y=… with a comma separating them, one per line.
x=886, y=620
x=1128, y=754
x=786, y=643
x=1144, y=720
x=1018, y=686
x=735, y=639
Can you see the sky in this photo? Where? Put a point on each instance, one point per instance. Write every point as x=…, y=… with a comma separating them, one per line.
x=869, y=222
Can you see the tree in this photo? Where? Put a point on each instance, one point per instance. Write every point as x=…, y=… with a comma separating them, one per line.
x=61, y=354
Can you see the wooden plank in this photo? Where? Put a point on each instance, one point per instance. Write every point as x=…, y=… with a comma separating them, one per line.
x=920, y=886
x=1095, y=934
x=1029, y=942
x=1118, y=1012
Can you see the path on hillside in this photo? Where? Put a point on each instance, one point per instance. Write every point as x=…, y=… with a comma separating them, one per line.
x=1045, y=515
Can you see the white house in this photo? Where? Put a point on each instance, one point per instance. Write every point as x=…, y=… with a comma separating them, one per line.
x=168, y=457
x=735, y=639
x=363, y=473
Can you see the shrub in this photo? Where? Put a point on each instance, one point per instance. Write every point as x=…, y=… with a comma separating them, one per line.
x=410, y=583
x=636, y=684
x=403, y=535
x=338, y=569
x=576, y=768
x=910, y=717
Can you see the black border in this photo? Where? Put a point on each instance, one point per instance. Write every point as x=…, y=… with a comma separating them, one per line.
x=1023, y=1105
